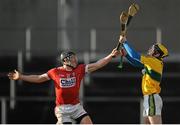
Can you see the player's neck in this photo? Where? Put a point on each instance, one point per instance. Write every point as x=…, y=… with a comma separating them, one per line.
x=67, y=68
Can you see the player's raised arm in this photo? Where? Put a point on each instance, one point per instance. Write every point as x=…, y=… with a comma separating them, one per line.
x=102, y=62
x=130, y=51
x=29, y=78
x=131, y=55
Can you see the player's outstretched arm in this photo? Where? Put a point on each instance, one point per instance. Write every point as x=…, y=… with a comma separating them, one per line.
x=102, y=62
x=131, y=55
x=29, y=78
x=134, y=62
x=130, y=51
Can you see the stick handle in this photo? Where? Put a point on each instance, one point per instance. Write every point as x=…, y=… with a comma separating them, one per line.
x=129, y=19
x=118, y=47
x=121, y=62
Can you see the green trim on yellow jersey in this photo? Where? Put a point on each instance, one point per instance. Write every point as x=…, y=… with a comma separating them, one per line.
x=153, y=74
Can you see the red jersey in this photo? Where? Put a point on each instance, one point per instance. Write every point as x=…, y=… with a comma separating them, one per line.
x=67, y=84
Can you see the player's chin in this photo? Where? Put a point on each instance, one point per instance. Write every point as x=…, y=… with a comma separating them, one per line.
x=75, y=65
x=149, y=53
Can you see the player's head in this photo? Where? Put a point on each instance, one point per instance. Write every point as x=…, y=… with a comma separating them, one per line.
x=158, y=50
x=69, y=58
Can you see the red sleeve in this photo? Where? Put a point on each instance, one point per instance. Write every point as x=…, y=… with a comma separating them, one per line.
x=51, y=73
x=82, y=69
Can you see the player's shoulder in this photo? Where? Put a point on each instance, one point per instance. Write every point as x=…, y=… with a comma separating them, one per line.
x=55, y=69
x=146, y=59
x=150, y=59
x=81, y=65
x=147, y=56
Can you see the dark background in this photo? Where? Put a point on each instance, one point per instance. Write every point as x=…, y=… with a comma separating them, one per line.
x=111, y=95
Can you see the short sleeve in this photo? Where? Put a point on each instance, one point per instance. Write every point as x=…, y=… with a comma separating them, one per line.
x=82, y=68
x=51, y=73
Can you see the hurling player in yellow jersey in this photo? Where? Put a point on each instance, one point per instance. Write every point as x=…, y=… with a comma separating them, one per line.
x=152, y=65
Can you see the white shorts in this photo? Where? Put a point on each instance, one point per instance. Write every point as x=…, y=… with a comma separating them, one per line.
x=152, y=105
x=69, y=113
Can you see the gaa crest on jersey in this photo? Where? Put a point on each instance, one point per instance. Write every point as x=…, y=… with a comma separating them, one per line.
x=67, y=82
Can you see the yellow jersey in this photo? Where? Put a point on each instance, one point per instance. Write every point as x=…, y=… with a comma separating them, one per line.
x=151, y=79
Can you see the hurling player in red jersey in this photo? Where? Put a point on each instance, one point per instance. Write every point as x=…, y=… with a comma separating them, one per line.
x=67, y=79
